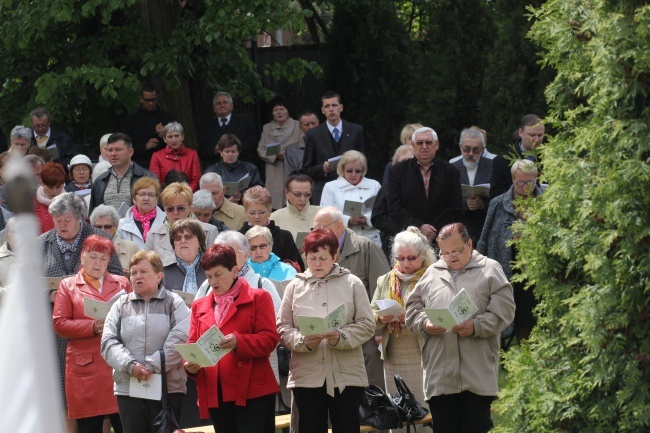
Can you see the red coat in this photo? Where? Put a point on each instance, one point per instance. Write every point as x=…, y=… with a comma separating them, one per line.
x=43, y=215
x=245, y=372
x=184, y=160
x=88, y=378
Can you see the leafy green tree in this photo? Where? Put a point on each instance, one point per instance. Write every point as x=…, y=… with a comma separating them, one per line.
x=585, y=245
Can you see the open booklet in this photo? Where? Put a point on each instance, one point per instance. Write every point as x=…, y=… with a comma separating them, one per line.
x=321, y=325
x=356, y=208
x=98, y=310
x=206, y=352
x=334, y=161
x=389, y=307
x=461, y=308
x=482, y=190
x=273, y=149
x=240, y=185
x=54, y=151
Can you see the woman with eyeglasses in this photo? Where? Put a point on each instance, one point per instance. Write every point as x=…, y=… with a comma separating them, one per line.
x=144, y=215
x=353, y=186
x=503, y=211
x=257, y=205
x=177, y=202
x=264, y=262
x=106, y=218
x=400, y=348
x=461, y=364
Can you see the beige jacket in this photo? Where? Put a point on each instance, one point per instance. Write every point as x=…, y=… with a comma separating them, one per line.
x=338, y=366
x=364, y=259
x=231, y=214
x=124, y=250
x=454, y=364
x=295, y=221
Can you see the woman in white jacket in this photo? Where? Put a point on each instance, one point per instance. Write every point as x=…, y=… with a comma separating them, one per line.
x=353, y=186
x=144, y=215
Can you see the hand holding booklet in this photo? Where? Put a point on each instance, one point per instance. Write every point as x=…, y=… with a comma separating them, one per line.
x=461, y=308
x=206, y=352
x=389, y=307
x=321, y=325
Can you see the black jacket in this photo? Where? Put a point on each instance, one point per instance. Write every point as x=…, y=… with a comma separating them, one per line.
x=174, y=276
x=64, y=144
x=234, y=172
x=141, y=127
x=99, y=186
x=240, y=126
x=283, y=244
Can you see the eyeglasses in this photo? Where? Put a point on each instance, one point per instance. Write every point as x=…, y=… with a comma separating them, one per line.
x=172, y=209
x=187, y=237
x=453, y=254
x=104, y=227
x=149, y=100
x=474, y=150
x=322, y=227
x=409, y=258
x=422, y=142
x=262, y=247
x=525, y=182
x=350, y=171
x=146, y=194
x=257, y=212
x=300, y=194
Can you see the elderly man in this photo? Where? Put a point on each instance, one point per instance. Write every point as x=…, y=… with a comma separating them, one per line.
x=145, y=126
x=298, y=215
x=20, y=139
x=231, y=214
x=203, y=208
x=294, y=153
x=365, y=260
x=531, y=135
x=475, y=169
x=45, y=137
x=486, y=153
x=424, y=191
x=227, y=122
x=328, y=140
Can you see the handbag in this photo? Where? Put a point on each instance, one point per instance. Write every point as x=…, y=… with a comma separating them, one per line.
x=165, y=421
x=411, y=408
x=284, y=358
x=377, y=409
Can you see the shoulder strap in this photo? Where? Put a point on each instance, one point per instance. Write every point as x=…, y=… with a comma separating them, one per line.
x=259, y=283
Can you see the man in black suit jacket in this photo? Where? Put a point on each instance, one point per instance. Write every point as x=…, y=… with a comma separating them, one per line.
x=327, y=140
x=479, y=168
x=45, y=136
x=412, y=203
x=227, y=123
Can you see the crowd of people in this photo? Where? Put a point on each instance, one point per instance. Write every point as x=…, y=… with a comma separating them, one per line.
x=178, y=249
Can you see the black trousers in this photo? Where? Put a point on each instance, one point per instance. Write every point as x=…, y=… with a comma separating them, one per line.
x=315, y=405
x=464, y=412
x=95, y=424
x=258, y=416
x=137, y=414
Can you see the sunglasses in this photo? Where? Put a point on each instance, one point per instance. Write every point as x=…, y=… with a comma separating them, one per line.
x=409, y=258
x=301, y=194
x=421, y=142
x=172, y=209
x=104, y=227
x=474, y=150
x=262, y=247
x=350, y=171
x=187, y=237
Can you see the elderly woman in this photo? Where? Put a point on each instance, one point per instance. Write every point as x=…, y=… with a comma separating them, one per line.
x=461, y=365
x=177, y=202
x=262, y=260
x=203, y=208
x=282, y=130
x=239, y=392
x=20, y=139
x=52, y=183
x=352, y=185
x=188, y=241
x=327, y=371
x=503, y=211
x=257, y=204
x=88, y=379
x=412, y=255
x=80, y=169
x=144, y=215
x=175, y=156
x=106, y=218
x=137, y=327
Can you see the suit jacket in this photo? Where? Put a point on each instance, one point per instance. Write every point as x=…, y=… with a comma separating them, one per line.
x=408, y=205
x=64, y=144
x=474, y=219
x=241, y=126
x=319, y=148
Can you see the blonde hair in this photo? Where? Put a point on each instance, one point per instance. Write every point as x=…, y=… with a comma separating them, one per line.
x=175, y=189
x=256, y=231
x=402, y=153
x=352, y=156
x=257, y=194
x=408, y=131
x=145, y=182
x=149, y=256
x=525, y=165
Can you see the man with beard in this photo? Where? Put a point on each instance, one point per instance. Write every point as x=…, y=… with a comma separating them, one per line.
x=475, y=169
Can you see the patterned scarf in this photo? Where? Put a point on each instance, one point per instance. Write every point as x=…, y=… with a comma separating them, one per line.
x=144, y=219
x=82, y=186
x=68, y=249
x=190, y=285
x=244, y=270
x=223, y=302
x=394, y=292
x=94, y=282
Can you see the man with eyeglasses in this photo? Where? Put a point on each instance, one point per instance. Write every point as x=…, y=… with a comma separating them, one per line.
x=145, y=126
x=50, y=138
x=424, y=191
x=475, y=169
x=298, y=215
x=486, y=153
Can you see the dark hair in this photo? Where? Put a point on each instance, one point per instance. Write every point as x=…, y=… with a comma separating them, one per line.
x=148, y=88
x=329, y=95
x=53, y=175
x=307, y=113
x=191, y=226
x=99, y=244
x=298, y=176
x=41, y=152
x=219, y=255
x=282, y=101
x=175, y=176
x=40, y=112
x=321, y=238
x=530, y=120
x=447, y=231
x=229, y=140
x=117, y=136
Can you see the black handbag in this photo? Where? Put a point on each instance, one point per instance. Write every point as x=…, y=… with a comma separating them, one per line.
x=165, y=421
x=411, y=408
x=377, y=409
x=284, y=358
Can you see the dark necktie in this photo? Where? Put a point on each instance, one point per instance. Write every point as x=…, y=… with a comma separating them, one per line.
x=224, y=122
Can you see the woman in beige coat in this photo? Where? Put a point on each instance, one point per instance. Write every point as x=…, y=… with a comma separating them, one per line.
x=327, y=372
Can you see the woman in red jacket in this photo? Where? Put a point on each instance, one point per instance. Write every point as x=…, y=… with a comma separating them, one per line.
x=175, y=156
x=52, y=183
x=239, y=391
x=88, y=378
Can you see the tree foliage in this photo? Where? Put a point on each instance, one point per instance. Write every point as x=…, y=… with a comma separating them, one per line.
x=585, y=247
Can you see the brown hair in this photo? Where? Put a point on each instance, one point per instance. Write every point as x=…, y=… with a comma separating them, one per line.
x=146, y=182
x=229, y=140
x=149, y=256
x=447, y=231
x=191, y=226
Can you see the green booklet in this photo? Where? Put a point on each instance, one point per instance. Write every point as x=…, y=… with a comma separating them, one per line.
x=320, y=325
x=206, y=352
x=461, y=308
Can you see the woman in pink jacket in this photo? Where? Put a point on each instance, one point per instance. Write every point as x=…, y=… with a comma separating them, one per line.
x=88, y=378
x=175, y=156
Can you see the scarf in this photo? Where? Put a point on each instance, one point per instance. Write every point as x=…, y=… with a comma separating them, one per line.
x=394, y=292
x=175, y=154
x=223, y=302
x=94, y=282
x=68, y=249
x=190, y=285
x=41, y=197
x=82, y=186
x=144, y=219
x=280, y=134
x=244, y=270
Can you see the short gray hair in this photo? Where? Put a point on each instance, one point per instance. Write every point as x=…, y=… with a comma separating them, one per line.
x=256, y=231
x=173, y=127
x=412, y=237
x=471, y=133
x=23, y=132
x=525, y=165
x=233, y=239
x=210, y=178
x=103, y=211
x=422, y=130
x=40, y=112
x=203, y=200
x=226, y=94
x=68, y=202
x=333, y=212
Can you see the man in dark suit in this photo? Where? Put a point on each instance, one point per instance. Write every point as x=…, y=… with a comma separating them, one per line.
x=424, y=191
x=226, y=122
x=145, y=126
x=475, y=169
x=45, y=136
x=327, y=140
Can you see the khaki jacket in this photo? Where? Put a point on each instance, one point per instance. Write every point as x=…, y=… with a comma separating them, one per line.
x=364, y=259
x=295, y=221
x=454, y=364
x=231, y=214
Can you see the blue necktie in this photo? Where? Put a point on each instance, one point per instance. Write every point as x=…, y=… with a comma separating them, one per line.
x=337, y=136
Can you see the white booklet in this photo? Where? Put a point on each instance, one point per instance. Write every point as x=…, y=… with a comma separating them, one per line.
x=389, y=307
x=320, y=325
x=98, y=310
x=461, y=308
x=54, y=151
x=240, y=185
x=151, y=389
x=273, y=149
x=83, y=192
x=206, y=352
x=188, y=298
x=482, y=190
x=334, y=161
x=355, y=208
